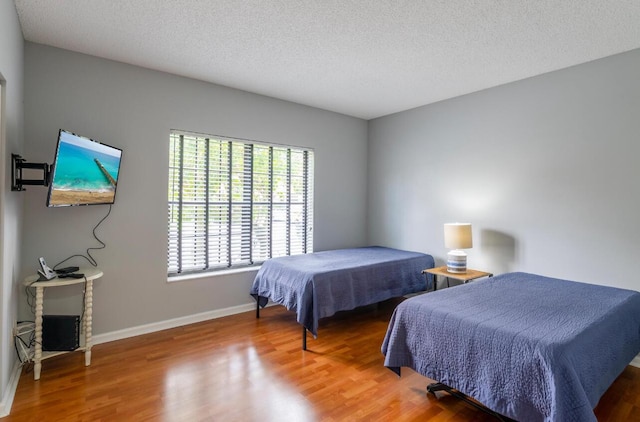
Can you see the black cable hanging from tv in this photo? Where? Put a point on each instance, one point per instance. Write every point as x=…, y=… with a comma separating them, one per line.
x=88, y=255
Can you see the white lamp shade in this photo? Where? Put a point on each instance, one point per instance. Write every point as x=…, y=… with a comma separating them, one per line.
x=457, y=236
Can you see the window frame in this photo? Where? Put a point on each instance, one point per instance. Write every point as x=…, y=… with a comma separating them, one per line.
x=238, y=227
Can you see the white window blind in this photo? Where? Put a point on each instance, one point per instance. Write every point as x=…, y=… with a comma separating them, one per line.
x=236, y=203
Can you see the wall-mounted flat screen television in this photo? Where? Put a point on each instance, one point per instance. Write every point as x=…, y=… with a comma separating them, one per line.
x=85, y=172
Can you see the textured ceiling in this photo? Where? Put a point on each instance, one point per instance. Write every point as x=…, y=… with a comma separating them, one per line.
x=364, y=58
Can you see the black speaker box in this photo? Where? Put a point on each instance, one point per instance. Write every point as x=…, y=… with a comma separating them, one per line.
x=60, y=332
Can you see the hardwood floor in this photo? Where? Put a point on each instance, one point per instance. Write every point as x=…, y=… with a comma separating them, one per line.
x=239, y=368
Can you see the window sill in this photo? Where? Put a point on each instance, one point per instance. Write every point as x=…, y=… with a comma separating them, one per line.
x=197, y=276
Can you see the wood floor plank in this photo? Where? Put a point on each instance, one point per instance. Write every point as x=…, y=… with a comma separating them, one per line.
x=245, y=369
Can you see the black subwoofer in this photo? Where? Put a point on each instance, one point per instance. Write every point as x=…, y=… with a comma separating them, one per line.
x=60, y=332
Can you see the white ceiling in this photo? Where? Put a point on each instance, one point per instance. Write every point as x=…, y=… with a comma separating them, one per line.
x=364, y=58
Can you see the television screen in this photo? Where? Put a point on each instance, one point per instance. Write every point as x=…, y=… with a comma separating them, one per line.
x=85, y=172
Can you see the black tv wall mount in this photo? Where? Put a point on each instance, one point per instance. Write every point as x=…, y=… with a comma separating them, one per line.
x=17, y=182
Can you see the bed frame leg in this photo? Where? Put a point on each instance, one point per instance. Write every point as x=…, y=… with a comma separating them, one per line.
x=304, y=338
x=258, y=307
x=438, y=386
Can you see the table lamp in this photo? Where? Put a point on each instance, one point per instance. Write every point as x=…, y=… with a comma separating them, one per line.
x=457, y=236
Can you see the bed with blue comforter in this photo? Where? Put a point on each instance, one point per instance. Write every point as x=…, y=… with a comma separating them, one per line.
x=319, y=284
x=529, y=347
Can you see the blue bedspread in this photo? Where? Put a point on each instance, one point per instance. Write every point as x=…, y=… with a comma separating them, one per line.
x=318, y=285
x=529, y=347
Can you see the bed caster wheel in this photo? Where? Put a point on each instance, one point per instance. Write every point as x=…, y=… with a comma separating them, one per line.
x=432, y=388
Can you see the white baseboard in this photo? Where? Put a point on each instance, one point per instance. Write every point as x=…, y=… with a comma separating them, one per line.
x=172, y=323
x=636, y=362
x=10, y=392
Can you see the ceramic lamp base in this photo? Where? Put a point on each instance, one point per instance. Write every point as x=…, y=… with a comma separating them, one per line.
x=457, y=261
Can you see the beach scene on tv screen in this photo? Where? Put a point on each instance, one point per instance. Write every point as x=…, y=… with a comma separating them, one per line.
x=85, y=172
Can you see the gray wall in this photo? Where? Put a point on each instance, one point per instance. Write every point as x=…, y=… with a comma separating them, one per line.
x=11, y=77
x=546, y=169
x=134, y=108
